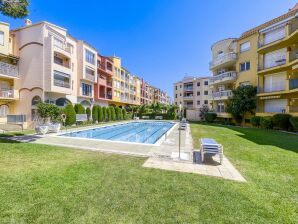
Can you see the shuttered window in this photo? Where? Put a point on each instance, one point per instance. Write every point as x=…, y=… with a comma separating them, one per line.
x=274, y=35
x=274, y=83
x=275, y=58
x=275, y=106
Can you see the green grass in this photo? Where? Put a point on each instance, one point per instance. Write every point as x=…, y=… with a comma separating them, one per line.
x=45, y=184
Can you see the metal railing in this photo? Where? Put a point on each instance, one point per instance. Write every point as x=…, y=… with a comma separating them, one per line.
x=8, y=69
x=7, y=94
x=224, y=93
x=61, y=83
x=293, y=109
x=16, y=118
x=227, y=75
x=223, y=59
x=188, y=88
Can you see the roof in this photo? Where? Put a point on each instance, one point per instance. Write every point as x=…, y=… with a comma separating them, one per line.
x=254, y=30
x=39, y=23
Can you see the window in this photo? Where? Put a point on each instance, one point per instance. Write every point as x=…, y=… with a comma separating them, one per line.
x=206, y=83
x=61, y=79
x=206, y=92
x=35, y=100
x=275, y=83
x=275, y=106
x=180, y=86
x=198, y=83
x=244, y=47
x=180, y=94
x=86, y=89
x=3, y=110
x=274, y=35
x=58, y=43
x=198, y=102
x=176, y=96
x=58, y=60
x=245, y=66
x=176, y=87
x=206, y=102
x=1, y=38
x=89, y=73
x=275, y=58
x=89, y=57
x=198, y=93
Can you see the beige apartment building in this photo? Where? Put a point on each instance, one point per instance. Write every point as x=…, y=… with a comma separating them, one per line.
x=192, y=93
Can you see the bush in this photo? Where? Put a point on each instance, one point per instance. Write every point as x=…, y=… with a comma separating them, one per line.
x=294, y=123
x=104, y=112
x=255, y=121
x=210, y=117
x=281, y=121
x=49, y=111
x=100, y=114
x=95, y=113
x=113, y=114
x=124, y=114
x=266, y=122
x=70, y=114
x=88, y=112
x=109, y=115
x=79, y=109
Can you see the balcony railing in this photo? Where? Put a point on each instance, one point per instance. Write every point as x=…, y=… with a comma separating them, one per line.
x=232, y=75
x=188, y=88
x=188, y=97
x=223, y=59
x=8, y=69
x=90, y=77
x=61, y=83
x=7, y=94
x=293, y=109
x=222, y=94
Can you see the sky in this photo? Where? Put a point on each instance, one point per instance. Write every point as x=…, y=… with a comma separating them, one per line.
x=159, y=40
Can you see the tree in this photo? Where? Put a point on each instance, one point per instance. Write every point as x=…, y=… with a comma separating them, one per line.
x=203, y=111
x=14, y=8
x=109, y=114
x=95, y=113
x=124, y=114
x=113, y=114
x=142, y=109
x=70, y=114
x=88, y=112
x=79, y=109
x=171, y=112
x=100, y=114
x=243, y=101
x=156, y=108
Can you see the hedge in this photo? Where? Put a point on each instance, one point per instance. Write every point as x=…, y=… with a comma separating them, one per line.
x=266, y=122
x=95, y=113
x=113, y=114
x=281, y=121
x=210, y=117
x=255, y=121
x=124, y=114
x=294, y=123
x=70, y=114
x=79, y=109
x=100, y=114
x=88, y=112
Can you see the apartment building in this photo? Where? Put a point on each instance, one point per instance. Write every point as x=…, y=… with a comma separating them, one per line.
x=266, y=57
x=126, y=87
x=278, y=65
x=9, y=74
x=103, y=89
x=48, y=66
x=147, y=93
x=192, y=93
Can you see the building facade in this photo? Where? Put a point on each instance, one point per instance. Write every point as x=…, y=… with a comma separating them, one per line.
x=192, y=93
x=264, y=57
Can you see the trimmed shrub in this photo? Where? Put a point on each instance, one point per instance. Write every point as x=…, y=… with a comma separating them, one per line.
x=294, y=123
x=210, y=117
x=266, y=122
x=88, y=112
x=109, y=115
x=255, y=121
x=100, y=114
x=113, y=113
x=49, y=111
x=95, y=113
x=79, y=109
x=104, y=112
x=124, y=114
x=281, y=121
x=70, y=114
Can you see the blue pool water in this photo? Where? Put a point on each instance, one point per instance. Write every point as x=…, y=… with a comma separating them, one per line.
x=140, y=132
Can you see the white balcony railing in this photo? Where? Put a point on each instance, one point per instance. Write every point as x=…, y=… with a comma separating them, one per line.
x=229, y=57
x=232, y=75
x=188, y=97
x=61, y=83
x=8, y=69
x=222, y=94
x=10, y=94
x=90, y=77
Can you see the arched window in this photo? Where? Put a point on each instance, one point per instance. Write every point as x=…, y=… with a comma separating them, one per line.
x=3, y=110
x=62, y=102
x=35, y=100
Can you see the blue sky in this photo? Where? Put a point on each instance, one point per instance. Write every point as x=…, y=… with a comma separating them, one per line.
x=160, y=40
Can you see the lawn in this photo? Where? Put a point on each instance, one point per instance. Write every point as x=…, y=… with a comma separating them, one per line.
x=45, y=184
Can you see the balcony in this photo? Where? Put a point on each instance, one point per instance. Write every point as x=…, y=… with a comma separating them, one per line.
x=8, y=70
x=223, y=78
x=188, y=97
x=9, y=94
x=61, y=83
x=90, y=77
x=224, y=60
x=222, y=95
x=188, y=88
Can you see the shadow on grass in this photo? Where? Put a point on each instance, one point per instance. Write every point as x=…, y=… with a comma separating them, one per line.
x=260, y=136
x=18, y=138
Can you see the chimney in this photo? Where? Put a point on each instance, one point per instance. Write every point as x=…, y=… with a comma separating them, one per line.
x=28, y=22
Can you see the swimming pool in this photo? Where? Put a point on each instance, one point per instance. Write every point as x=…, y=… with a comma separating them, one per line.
x=139, y=132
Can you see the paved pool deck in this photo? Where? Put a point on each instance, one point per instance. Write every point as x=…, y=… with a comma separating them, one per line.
x=162, y=156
